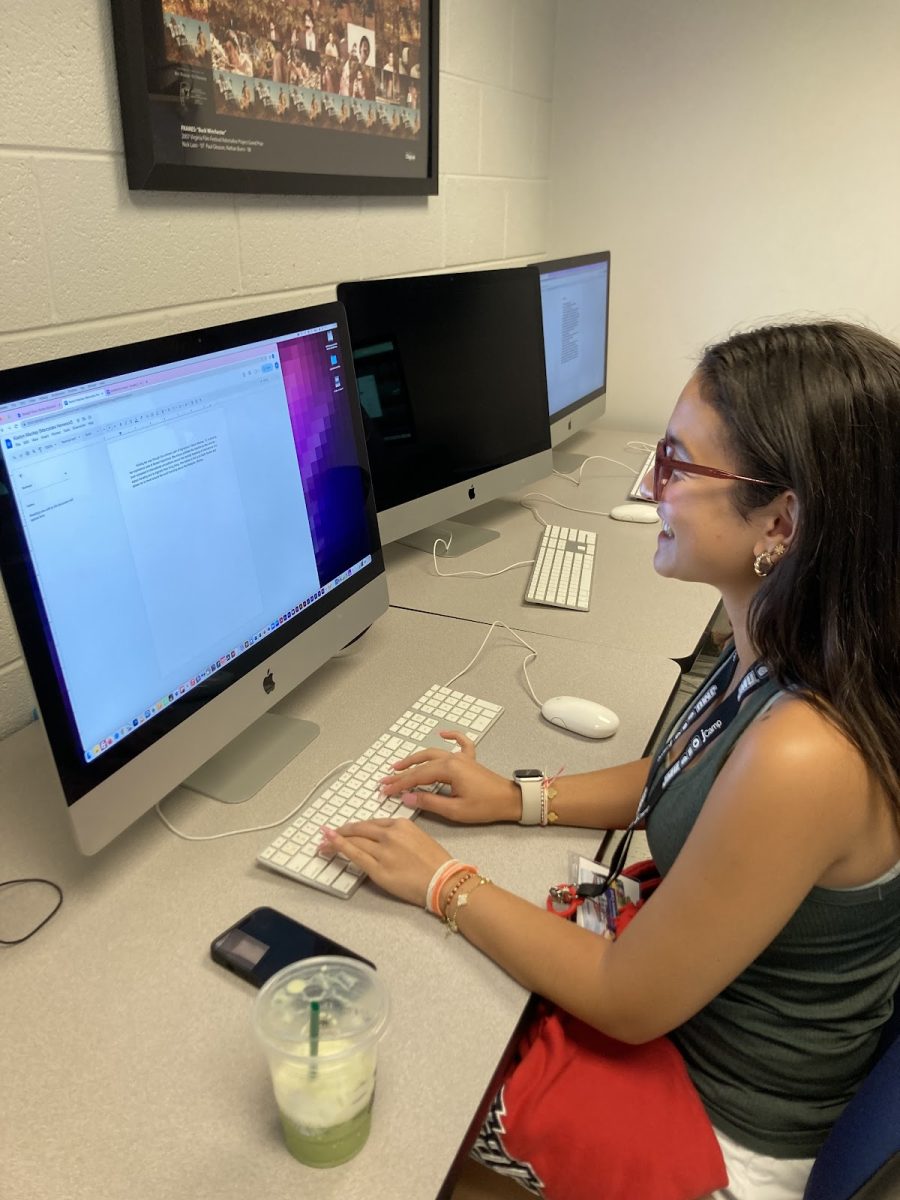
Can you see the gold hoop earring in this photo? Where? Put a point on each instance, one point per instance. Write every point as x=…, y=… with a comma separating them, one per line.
x=764, y=562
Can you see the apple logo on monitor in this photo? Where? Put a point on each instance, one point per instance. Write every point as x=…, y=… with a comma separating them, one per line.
x=472, y=492
x=268, y=683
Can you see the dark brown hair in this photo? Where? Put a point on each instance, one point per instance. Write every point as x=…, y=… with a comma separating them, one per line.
x=818, y=406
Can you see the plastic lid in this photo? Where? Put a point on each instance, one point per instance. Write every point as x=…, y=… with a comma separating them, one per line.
x=352, y=1008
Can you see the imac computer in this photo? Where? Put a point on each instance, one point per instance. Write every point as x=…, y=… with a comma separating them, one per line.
x=575, y=310
x=451, y=381
x=187, y=531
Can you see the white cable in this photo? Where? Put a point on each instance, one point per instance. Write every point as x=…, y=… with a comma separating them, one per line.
x=534, y=513
x=640, y=447
x=212, y=837
x=593, y=512
x=528, y=659
x=576, y=479
x=527, y=562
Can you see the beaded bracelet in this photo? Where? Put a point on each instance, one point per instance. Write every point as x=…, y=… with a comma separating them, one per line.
x=466, y=875
x=461, y=902
x=548, y=795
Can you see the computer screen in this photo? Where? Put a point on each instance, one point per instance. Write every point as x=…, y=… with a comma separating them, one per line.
x=575, y=311
x=187, y=531
x=453, y=391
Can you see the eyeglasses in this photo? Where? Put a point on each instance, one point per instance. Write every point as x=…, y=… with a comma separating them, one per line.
x=664, y=465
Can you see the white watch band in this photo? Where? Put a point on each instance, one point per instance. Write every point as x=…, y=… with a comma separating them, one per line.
x=531, y=788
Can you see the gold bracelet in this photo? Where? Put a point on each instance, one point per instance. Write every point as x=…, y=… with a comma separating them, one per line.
x=461, y=902
x=454, y=890
x=552, y=815
x=548, y=794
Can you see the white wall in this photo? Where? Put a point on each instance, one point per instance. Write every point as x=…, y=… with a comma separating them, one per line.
x=86, y=263
x=740, y=160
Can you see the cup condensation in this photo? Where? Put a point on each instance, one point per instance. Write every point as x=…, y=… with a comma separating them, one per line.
x=323, y=1065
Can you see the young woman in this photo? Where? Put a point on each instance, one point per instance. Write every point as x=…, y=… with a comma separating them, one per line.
x=770, y=952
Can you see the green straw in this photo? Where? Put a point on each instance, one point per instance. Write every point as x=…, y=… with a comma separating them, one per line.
x=313, y=1035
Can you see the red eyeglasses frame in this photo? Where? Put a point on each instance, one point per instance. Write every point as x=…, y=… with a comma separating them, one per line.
x=664, y=465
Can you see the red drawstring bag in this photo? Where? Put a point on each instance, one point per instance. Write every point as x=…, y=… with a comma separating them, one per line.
x=581, y=1115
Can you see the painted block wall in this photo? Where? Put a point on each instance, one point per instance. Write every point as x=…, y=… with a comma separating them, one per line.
x=739, y=160
x=85, y=263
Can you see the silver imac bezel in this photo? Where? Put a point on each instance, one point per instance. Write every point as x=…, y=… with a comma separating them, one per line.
x=590, y=407
x=129, y=781
x=101, y=815
x=564, y=426
x=423, y=513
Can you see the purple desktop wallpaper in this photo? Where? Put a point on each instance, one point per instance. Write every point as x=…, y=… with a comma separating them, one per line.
x=326, y=452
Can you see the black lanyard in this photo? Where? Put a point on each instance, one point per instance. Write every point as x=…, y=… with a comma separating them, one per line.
x=661, y=776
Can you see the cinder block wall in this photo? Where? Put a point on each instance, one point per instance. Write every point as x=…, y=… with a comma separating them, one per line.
x=85, y=263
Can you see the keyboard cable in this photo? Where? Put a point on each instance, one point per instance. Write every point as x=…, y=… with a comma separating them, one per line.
x=212, y=837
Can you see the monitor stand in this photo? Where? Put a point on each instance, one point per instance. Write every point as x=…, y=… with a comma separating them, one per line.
x=567, y=463
x=462, y=538
x=255, y=756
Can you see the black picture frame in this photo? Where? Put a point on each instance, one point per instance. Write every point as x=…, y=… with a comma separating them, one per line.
x=197, y=117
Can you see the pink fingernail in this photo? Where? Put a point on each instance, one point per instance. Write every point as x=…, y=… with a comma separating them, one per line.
x=410, y=799
x=327, y=832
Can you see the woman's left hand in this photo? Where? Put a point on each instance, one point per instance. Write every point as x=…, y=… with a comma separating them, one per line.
x=396, y=854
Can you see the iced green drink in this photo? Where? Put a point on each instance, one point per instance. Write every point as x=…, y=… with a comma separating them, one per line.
x=327, y=1147
x=319, y=1021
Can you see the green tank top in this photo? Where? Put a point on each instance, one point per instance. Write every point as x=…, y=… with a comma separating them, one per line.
x=776, y=1056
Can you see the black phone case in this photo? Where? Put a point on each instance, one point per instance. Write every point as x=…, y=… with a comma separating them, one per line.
x=265, y=940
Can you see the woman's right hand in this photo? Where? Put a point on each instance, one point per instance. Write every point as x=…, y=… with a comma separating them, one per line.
x=470, y=795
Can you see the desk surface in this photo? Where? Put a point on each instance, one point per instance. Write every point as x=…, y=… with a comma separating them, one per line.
x=631, y=605
x=128, y=1060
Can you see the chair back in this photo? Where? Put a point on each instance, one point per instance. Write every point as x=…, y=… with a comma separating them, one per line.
x=864, y=1144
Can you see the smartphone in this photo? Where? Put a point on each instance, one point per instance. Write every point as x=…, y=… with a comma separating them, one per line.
x=265, y=940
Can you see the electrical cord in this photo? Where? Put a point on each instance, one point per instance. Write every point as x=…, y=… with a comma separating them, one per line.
x=527, y=562
x=637, y=447
x=212, y=837
x=576, y=478
x=528, y=658
x=592, y=512
x=48, y=883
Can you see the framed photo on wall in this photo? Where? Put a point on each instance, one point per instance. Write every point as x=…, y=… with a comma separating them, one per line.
x=291, y=96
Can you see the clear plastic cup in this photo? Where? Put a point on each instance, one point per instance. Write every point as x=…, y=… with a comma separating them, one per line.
x=319, y=1022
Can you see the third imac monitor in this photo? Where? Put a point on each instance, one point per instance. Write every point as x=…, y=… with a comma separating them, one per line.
x=451, y=379
x=575, y=307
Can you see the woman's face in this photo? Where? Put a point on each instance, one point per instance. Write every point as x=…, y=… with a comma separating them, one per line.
x=704, y=539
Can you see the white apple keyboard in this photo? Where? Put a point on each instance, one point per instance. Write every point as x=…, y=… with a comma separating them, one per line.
x=354, y=794
x=563, y=568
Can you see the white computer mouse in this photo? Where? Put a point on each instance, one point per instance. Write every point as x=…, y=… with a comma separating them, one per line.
x=645, y=513
x=580, y=716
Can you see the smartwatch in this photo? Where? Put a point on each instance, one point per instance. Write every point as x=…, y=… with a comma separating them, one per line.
x=531, y=783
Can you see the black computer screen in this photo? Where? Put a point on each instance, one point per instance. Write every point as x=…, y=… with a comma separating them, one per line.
x=451, y=376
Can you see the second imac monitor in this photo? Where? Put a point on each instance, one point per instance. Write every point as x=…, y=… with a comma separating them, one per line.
x=575, y=307
x=450, y=370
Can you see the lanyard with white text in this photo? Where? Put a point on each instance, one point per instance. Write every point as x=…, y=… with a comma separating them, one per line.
x=661, y=776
